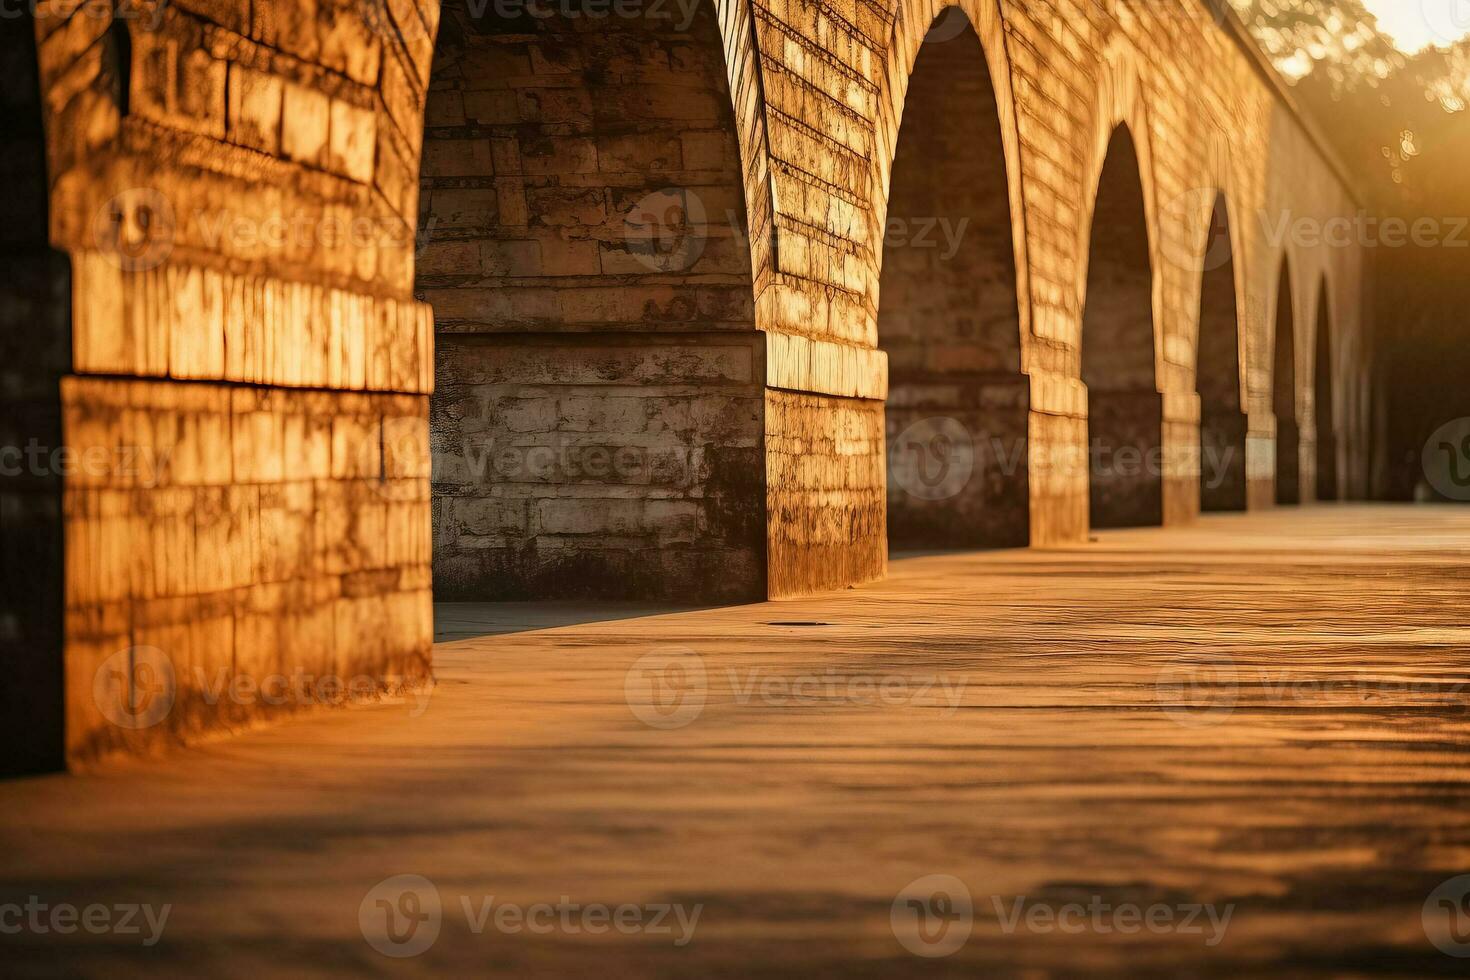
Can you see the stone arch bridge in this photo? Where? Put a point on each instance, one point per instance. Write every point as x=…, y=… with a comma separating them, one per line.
x=327, y=307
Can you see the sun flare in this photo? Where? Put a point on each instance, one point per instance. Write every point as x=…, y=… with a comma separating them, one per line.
x=1418, y=24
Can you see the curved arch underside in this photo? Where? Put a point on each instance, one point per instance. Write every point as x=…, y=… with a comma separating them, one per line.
x=598, y=415
x=1324, y=394
x=1283, y=395
x=1224, y=422
x=957, y=408
x=1125, y=408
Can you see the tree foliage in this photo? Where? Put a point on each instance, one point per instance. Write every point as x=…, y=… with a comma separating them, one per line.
x=1399, y=120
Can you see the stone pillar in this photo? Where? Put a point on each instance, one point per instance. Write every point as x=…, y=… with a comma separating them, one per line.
x=1058, y=470
x=825, y=516
x=1181, y=458
x=1260, y=460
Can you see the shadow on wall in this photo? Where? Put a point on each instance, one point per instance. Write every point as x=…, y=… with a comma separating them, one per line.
x=1283, y=395
x=1326, y=414
x=597, y=426
x=1223, y=420
x=958, y=405
x=1124, y=407
x=35, y=352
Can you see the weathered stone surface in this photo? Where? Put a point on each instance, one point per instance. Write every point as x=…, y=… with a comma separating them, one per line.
x=251, y=193
x=599, y=415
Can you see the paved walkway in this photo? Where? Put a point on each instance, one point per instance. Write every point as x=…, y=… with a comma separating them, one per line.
x=1234, y=748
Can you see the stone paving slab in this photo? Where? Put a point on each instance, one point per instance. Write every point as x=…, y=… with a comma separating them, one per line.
x=1262, y=717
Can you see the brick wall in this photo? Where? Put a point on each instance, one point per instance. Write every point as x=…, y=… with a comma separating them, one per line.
x=247, y=359
x=597, y=426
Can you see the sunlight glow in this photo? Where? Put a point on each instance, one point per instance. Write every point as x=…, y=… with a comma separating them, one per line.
x=1417, y=24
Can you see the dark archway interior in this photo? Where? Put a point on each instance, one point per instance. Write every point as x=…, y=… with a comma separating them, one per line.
x=1327, y=487
x=1223, y=422
x=1125, y=408
x=596, y=425
x=34, y=354
x=1283, y=396
x=958, y=403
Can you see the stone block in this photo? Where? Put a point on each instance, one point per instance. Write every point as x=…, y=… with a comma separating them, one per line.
x=255, y=109
x=306, y=125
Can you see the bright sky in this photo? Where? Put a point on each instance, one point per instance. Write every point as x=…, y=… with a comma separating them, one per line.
x=1416, y=24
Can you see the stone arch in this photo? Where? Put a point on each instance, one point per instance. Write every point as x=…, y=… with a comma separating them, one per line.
x=1120, y=102
x=949, y=321
x=1119, y=348
x=1283, y=388
x=597, y=425
x=912, y=24
x=1324, y=396
x=1224, y=420
x=35, y=353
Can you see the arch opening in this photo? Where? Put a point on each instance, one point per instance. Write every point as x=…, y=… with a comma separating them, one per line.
x=1223, y=420
x=1327, y=481
x=957, y=411
x=1283, y=395
x=596, y=426
x=1124, y=407
x=35, y=352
